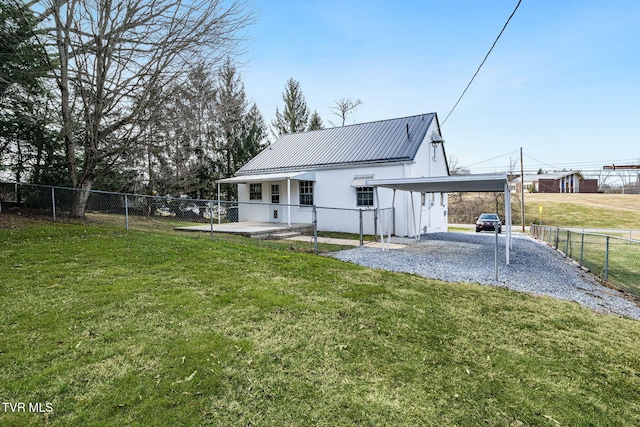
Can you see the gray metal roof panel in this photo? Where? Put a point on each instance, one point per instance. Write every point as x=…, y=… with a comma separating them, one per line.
x=373, y=142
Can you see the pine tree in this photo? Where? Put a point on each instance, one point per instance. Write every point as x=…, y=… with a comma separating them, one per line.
x=240, y=130
x=315, y=121
x=295, y=114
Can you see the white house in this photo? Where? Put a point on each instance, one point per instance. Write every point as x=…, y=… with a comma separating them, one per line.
x=329, y=168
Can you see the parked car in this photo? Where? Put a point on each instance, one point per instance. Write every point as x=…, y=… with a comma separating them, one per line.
x=488, y=222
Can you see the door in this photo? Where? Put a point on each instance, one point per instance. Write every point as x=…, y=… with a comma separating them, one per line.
x=275, y=208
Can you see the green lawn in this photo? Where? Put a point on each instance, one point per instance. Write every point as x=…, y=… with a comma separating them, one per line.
x=148, y=328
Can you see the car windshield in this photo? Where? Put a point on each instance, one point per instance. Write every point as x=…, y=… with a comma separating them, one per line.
x=491, y=217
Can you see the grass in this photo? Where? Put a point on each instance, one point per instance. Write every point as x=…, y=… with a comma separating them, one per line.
x=584, y=210
x=151, y=328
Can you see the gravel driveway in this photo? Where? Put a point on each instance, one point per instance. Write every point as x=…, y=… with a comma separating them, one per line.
x=469, y=257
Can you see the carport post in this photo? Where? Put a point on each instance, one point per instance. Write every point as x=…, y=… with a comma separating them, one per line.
x=508, y=220
x=496, y=253
x=413, y=212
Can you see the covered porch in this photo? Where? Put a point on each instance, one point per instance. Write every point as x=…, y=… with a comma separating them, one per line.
x=285, y=208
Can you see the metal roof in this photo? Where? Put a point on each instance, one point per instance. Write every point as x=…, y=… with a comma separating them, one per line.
x=364, y=143
x=301, y=176
x=445, y=184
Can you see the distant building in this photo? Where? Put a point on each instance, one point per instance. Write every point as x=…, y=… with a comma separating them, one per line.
x=559, y=182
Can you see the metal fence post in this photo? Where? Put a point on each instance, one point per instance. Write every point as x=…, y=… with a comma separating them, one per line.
x=53, y=203
x=126, y=212
x=557, y=237
x=315, y=230
x=361, y=229
x=375, y=223
x=606, y=260
x=211, y=217
x=581, y=248
x=496, y=253
x=566, y=246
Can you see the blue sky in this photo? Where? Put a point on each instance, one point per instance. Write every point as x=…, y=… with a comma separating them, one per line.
x=562, y=81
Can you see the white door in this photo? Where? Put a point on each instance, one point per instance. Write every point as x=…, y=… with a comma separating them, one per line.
x=275, y=208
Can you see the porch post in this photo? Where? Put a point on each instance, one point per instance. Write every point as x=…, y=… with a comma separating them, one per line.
x=289, y=202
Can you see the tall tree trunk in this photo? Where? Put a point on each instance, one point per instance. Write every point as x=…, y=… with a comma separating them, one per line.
x=80, y=197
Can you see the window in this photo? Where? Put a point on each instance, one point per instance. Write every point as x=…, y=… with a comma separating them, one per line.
x=255, y=191
x=275, y=194
x=306, y=192
x=364, y=196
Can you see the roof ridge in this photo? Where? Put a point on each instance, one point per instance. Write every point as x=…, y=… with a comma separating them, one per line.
x=359, y=124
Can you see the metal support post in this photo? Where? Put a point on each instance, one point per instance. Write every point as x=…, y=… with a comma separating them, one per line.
x=361, y=229
x=126, y=212
x=375, y=223
x=211, y=216
x=53, y=203
x=496, y=253
x=581, y=248
x=606, y=260
x=315, y=230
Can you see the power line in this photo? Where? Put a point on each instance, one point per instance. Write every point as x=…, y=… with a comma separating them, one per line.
x=493, y=158
x=483, y=61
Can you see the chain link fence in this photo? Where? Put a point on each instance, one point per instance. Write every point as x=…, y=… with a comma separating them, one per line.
x=144, y=212
x=614, y=259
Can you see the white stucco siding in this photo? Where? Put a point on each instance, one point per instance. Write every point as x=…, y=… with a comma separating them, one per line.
x=429, y=161
x=334, y=189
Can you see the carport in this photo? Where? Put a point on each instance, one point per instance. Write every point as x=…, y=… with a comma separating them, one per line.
x=480, y=183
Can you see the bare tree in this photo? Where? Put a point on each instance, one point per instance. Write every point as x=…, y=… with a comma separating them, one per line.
x=112, y=55
x=344, y=107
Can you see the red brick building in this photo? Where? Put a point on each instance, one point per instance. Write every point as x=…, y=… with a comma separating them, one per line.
x=560, y=182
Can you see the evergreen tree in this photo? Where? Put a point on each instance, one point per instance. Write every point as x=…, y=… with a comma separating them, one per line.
x=295, y=115
x=240, y=130
x=315, y=121
x=28, y=145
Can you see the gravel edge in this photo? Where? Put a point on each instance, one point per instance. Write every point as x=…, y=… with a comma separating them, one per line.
x=534, y=267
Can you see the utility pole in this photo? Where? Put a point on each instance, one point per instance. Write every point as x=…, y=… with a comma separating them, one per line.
x=522, y=188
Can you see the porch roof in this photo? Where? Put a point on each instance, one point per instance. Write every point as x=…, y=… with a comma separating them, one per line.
x=281, y=176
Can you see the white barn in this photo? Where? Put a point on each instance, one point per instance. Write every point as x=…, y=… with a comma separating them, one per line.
x=329, y=168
